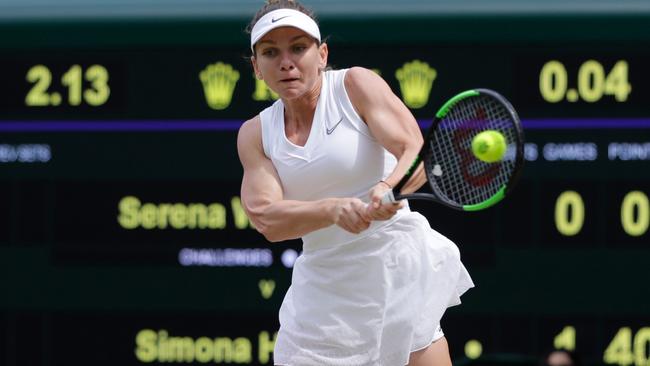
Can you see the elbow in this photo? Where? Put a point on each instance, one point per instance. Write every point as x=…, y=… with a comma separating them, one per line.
x=267, y=231
x=269, y=222
x=272, y=233
x=264, y=227
x=273, y=238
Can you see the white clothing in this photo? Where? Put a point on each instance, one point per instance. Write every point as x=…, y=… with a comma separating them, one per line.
x=356, y=299
x=347, y=162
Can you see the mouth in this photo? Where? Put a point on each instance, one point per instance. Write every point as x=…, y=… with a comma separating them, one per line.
x=288, y=80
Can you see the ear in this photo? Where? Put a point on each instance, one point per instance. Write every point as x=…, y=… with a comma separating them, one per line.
x=323, y=52
x=258, y=73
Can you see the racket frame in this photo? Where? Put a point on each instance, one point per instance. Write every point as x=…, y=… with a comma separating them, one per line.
x=393, y=195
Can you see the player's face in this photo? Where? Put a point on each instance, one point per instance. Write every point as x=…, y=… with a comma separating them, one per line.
x=289, y=61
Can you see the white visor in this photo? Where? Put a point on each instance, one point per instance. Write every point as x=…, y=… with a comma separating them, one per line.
x=284, y=18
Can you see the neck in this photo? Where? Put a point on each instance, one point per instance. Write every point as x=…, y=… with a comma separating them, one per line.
x=299, y=112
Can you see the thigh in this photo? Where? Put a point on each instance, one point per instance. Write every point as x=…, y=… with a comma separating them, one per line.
x=436, y=354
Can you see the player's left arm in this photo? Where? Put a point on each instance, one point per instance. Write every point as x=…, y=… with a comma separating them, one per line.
x=390, y=122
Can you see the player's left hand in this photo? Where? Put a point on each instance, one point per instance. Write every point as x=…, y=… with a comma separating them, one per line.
x=377, y=210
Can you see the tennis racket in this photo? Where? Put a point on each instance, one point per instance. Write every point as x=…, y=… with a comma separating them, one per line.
x=457, y=178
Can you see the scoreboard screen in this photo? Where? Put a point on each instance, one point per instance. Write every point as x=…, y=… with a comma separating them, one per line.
x=122, y=236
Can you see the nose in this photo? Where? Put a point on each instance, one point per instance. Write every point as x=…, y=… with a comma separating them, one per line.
x=286, y=63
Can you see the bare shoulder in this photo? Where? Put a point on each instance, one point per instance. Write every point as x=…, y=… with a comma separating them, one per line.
x=365, y=88
x=250, y=129
x=249, y=139
x=360, y=79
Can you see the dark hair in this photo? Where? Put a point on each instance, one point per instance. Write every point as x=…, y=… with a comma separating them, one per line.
x=279, y=4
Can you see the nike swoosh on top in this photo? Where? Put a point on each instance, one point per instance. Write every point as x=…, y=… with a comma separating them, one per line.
x=275, y=20
x=330, y=130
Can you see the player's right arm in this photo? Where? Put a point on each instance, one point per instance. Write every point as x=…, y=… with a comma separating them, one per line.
x=273, y=216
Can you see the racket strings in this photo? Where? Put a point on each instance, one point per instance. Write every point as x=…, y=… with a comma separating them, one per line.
x=451, y=166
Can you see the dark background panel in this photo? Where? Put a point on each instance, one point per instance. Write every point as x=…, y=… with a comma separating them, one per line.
x=141, y=155
x=16, y=87
x=28, y=345
x=124, y=213
x=460, y=329
x=33, y=212
x=164, y=83
x=516, y=334
x=4, y=337
x=627, y=334
x=474, y=232
x=6, y=208
x=577, y=333
x=518, y=220
x=529, y=63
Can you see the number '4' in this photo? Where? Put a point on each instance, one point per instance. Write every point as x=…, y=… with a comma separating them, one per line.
x=619, y=350
x=617, y=83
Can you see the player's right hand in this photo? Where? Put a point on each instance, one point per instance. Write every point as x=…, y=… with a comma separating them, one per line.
x=351, y=215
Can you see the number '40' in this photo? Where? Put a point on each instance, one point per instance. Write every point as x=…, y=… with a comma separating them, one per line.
x=627, y=350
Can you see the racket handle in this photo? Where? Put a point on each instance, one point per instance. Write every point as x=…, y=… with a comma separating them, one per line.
x=389, y=197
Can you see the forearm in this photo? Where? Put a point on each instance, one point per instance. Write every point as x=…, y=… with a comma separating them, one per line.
x=405, y=158
x=288, y=219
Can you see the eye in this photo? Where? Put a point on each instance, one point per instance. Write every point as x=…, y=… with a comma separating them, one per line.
x=299, y=48
x=269, y=52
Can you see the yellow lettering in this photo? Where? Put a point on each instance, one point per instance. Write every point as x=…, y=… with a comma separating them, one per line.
x=72, y=79
x=163, y=211
x=569, y=213
x=197, y=216
x=146, y=342
x=148, y=216
x=217, y=216
x=223, y=350
x=617, y=82
x=266, y=288
x=178, y=216
x=241, y=219
x=553, y=81
x=181, y=349
x=566, y=339
x=41, y=76
x=128, y=217
x=98, y=77
x=243, y=350
x=134, y=214
x=163, y=348
x=635, y=213
x=265, y=346
x=160, y=347
x=641, y=341
x=203, y=350
x=619, y=350
x=263, y=92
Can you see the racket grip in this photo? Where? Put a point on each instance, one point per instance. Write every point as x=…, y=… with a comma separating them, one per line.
x=389, y=197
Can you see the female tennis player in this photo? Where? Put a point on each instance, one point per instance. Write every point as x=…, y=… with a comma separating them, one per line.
x=374, y=279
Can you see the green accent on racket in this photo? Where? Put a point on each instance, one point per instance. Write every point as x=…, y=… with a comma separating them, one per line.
x=488, y=202
x=442, y=112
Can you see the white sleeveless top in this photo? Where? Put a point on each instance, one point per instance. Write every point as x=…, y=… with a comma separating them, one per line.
x=341, y=158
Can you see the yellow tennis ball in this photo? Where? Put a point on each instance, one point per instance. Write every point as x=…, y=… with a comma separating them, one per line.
x=489, y=146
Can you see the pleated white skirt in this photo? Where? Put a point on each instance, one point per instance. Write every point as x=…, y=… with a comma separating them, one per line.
x=370, y=301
